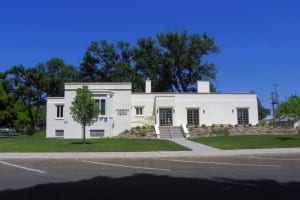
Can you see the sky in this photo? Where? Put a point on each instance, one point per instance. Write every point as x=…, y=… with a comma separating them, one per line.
x=258, y=39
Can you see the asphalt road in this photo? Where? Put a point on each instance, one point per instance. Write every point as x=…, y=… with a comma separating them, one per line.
x=247, y=177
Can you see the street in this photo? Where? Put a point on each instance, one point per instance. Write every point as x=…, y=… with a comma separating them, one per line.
x=256, y=176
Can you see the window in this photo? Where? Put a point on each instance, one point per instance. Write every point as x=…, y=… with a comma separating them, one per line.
x=193, y=117
x=59, y=111
x=59, y=133
x=100, y=103
x=243, y=116
x=139, y=111
x=96, y=133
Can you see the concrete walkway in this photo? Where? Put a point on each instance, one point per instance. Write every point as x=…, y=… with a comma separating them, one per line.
x=194, y=146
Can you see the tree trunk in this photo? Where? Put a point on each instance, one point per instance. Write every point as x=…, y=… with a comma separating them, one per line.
x=32, y=121
x=83, y=142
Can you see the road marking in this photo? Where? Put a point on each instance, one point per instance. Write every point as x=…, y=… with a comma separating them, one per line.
x=22, y=167
x=126, y=166
x=224, y=163
x=265, y=158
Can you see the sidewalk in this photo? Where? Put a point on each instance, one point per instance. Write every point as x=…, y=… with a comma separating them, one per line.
x=198, y=150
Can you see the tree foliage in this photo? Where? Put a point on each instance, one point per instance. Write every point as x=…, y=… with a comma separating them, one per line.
x=7, y=114
x=23, y=92
x=109, y=63
x=29, y=88
x=58, y=73
x=84, y=110
x=290, y=108
x=262, y=111
x=173, y=61
x=176, y=60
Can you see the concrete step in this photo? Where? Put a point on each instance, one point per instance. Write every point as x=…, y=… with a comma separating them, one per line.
x=171, y=132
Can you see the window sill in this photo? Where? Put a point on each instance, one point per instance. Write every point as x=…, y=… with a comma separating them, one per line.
x=59, y=118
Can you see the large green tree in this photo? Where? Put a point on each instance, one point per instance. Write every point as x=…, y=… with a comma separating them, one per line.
x=7, y=114
x=107, y=62
x=290, y=108
x=176, y=60
x=57, y=74
x=84, y=110
x=29, y=86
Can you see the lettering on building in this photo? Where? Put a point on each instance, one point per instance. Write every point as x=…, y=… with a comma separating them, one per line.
x=122, y=111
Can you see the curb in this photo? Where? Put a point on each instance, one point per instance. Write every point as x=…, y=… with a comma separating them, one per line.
x=159, y=154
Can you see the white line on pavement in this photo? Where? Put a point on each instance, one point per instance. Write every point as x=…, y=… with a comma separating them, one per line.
x=265, y=158
x=126, y=166
x=224, y=163
x=22, y=167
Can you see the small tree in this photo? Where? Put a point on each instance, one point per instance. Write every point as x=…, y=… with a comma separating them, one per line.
x=84, y=109
x=290, y=108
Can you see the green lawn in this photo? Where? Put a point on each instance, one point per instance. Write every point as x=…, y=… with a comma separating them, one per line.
x=38, y=143
x=251, y=141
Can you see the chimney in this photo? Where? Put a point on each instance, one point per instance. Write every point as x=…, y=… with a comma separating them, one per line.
x=203, y=87
x=148, y=86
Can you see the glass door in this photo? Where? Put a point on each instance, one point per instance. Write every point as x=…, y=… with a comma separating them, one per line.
x=165, y=117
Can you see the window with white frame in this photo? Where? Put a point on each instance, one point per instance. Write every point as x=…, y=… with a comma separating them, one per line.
x=243, y=116
x=101, y=104
x=96, y=133
x=139, y=111
x=59, y=111
x=59, y=133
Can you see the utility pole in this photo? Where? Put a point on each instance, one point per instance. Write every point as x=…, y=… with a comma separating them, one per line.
x=274, y=101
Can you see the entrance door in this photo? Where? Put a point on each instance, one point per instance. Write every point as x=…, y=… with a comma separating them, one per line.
x=165, y=117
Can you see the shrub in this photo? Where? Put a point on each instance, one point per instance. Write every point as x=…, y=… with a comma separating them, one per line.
x=221, y=132
x=203, y=125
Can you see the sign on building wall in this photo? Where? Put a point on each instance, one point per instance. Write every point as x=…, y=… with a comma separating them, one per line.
x=122, y=111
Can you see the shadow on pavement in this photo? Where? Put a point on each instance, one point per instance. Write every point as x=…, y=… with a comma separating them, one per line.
x=143, y=186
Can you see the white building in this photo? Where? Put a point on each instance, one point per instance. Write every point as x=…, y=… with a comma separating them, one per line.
x=121, y=109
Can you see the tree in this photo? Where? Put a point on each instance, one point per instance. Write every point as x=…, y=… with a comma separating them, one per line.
x=84, y=110
x=290, y=108
x=176, y=60
x=58, y=73
x=262, y=111
x=111, y=63
x=7, y=114
x=29, y=86
x=148, y=59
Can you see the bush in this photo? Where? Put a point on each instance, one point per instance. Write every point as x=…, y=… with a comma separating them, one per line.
x=221, y=132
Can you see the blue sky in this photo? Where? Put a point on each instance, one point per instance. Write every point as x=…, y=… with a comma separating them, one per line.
x=259, y=39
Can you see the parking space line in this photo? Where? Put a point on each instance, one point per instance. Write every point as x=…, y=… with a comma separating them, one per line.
x=125, y=166
x=22, y=167
x=266, y=158
x=224, y=163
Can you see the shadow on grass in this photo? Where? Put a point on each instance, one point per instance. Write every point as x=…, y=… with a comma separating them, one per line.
x=4, y=136
x=287, y=138
x=81, y=143
x=144, y=186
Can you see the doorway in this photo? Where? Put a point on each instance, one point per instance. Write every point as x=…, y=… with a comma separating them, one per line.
x=165, y=117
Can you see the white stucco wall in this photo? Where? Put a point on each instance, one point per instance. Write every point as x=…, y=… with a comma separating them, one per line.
x=213, y=108
x=52, y=122
x=121, y=108
x=116, y=119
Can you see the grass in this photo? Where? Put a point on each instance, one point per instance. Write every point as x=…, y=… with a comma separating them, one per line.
x=251, y=141
x=38, y=143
